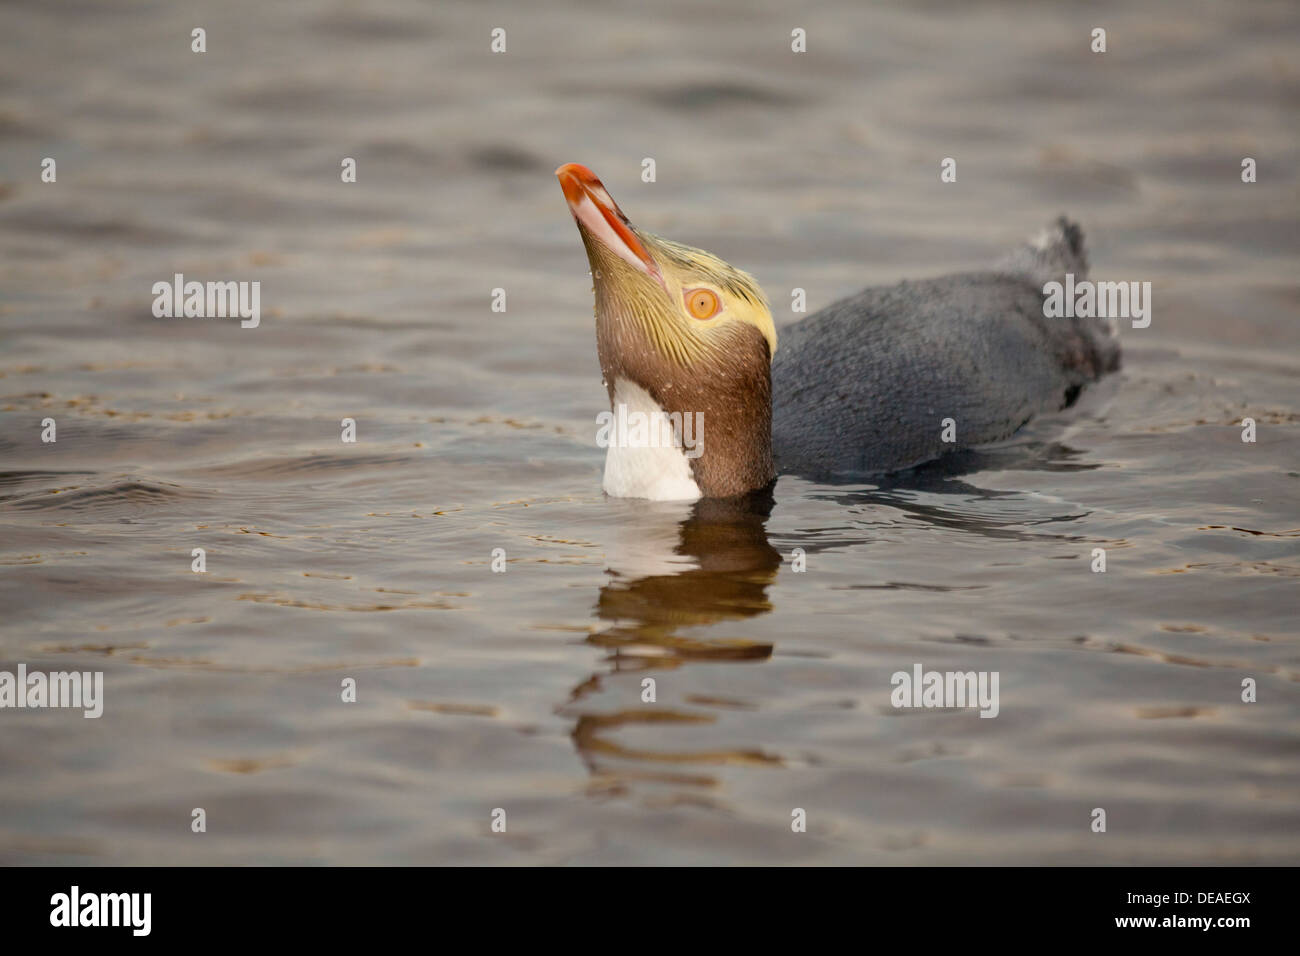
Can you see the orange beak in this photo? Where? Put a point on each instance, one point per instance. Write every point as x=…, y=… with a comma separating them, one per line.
x=598, y=215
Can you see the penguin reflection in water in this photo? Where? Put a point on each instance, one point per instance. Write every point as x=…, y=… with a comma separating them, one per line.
x=692, y=567
x=861, y=388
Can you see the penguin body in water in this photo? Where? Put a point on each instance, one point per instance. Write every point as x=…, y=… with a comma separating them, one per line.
x=882, y=381
x=897, y=376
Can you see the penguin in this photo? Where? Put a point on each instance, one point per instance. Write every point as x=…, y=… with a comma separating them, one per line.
x=875, y=384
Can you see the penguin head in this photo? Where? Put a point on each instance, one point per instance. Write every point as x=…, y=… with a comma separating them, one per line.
x=689, y=300
x=693, y=331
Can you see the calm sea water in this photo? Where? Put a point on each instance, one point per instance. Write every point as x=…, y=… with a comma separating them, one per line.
x=476, y=431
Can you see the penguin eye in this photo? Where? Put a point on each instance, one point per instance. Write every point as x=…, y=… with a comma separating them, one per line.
x=702, y=303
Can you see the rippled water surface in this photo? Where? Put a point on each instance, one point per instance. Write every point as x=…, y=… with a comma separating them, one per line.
x=523, y=690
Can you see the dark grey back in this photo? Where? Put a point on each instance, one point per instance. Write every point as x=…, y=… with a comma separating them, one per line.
x=862, y=387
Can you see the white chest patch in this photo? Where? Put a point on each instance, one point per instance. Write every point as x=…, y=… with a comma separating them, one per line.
x=656, y=471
